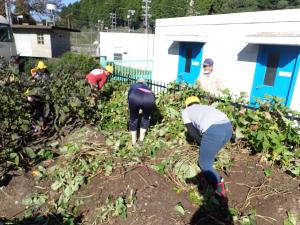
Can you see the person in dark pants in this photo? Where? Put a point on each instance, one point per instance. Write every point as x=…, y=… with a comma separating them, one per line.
x=38, y=109
x=141, y=100
x=216, y=130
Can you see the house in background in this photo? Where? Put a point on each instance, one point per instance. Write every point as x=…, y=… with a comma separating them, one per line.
x=254, y=52
x=42, y=41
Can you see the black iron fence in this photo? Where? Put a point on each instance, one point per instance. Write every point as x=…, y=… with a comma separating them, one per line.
x=161, y=87
x=155, y=86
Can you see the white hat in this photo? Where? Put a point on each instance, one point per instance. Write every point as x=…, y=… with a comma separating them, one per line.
x=141, y=80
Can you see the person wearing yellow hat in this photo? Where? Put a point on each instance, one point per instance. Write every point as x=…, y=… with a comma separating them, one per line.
x=211, y=129
x=40, y=71
x=98, y=77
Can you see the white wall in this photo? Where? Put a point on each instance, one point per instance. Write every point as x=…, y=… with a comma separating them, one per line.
x=225, y=38
x=27, y=45
x=132, y=46
x=23, y=44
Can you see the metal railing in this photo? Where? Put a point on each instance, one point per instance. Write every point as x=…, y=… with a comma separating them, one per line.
x=155, y=86
x=135, y=68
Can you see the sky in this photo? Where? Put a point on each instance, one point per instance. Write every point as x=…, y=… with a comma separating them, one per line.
x=69, y=1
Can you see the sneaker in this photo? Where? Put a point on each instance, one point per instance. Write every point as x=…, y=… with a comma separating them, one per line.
x=221, y=189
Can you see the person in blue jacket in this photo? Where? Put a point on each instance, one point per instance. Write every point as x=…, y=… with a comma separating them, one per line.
x=141, y=100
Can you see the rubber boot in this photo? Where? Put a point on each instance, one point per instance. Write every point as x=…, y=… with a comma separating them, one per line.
x=133, y=137
x=142, y=134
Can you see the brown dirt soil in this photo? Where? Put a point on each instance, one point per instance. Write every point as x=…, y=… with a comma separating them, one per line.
x=155, y=200
x=272, y=197
x=19, y=187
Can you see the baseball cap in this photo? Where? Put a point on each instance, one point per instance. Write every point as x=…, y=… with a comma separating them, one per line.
x=208, y=62
x=141, y=80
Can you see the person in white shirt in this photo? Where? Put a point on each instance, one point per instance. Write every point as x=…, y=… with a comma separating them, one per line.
x=209, y=81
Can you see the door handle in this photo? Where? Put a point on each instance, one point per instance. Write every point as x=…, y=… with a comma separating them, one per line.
x=258, y=87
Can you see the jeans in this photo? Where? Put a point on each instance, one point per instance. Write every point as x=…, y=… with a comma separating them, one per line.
x=140, y=100
x=213, y=139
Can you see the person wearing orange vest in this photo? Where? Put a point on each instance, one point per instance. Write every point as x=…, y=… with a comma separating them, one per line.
x=98, y=77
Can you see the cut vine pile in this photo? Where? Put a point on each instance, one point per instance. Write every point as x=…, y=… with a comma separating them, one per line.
x=84, y=170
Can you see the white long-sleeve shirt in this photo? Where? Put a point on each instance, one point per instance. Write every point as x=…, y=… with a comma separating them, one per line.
x=211, y=83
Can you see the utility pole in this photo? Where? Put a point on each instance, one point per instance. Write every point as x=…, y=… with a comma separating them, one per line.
x=146, y=14
x=7, y=11
x=99, y=25
x=130, y=14
x=113, y=17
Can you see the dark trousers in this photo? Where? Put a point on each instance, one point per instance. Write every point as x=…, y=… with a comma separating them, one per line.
x=139, y=100
x=213, y=140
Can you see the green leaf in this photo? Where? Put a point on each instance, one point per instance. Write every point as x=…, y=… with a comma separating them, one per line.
x=179, y=207
x=30, y=153
x=267, y=172
x=57, y=185
x=238, y=133
x=291, y=220
x=195, y=198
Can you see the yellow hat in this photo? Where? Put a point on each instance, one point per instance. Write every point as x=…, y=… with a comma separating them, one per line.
x=41, y=65
x=191, y=99
x=109, y=69
x=27, y=92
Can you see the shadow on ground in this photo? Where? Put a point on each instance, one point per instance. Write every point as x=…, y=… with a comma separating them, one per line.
x=50, y=219
x=214, y=210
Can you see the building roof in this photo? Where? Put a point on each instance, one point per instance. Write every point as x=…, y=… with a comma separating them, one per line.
x=273, y=16
x=42, y=27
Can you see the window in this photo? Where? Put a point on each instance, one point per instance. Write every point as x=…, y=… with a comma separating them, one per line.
x=40, y=39
x=272, y=64
x=188, y=59
x=5, y=33
x=118, y=56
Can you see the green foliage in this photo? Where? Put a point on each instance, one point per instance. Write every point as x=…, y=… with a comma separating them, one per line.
x=291, y=219
x=113, y=208
x=86, y=13
x=179, y=208
x=74, y=64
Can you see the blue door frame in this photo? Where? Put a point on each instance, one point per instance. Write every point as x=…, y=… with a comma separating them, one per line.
x=189, y=65
x=276, y=73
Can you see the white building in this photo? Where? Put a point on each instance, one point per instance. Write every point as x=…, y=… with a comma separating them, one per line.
x=255, y=52
x=133, y=49
x=42, y=41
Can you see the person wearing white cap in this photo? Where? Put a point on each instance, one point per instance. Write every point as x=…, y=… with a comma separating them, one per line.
x=140, y=98
x=209, y=81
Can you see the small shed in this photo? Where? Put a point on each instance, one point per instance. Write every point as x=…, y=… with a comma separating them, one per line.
x=42, y=41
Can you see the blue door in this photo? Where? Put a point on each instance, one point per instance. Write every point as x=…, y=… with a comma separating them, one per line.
x=190, y=56
x=275, y=72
